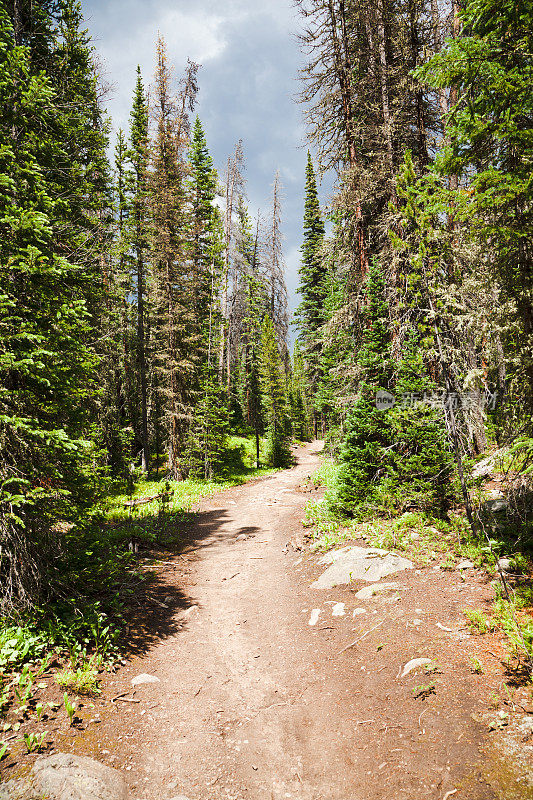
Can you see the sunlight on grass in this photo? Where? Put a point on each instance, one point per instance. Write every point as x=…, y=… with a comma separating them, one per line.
x=239, y=466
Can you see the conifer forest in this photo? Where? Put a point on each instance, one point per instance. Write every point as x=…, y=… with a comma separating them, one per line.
x=151, y=355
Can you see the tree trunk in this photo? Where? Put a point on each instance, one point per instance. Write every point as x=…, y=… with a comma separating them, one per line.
x=387, y=117
x=141, y=354
x=420, y=122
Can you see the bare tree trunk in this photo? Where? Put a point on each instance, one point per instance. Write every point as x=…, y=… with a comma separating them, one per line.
x=387, y=117
x=420, y=122
x=456, y=28
x=141, y=354
x=436, y=26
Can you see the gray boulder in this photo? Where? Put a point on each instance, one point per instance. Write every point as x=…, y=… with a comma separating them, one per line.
x=359, y=563
x=67, y=777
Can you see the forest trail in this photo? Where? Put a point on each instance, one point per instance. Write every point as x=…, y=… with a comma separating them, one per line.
x=255, y=702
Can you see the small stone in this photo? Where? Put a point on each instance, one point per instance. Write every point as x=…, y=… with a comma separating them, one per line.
x=315, y=613
x=242, y=537
x=338, y=610
x=144, y=678
x=465, y=565
x=414, y=664
x=357, y=611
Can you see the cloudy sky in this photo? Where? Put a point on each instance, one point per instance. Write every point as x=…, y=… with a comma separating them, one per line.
x=248, y=81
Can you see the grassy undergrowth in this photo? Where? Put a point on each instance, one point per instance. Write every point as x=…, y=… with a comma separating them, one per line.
x=429, y=540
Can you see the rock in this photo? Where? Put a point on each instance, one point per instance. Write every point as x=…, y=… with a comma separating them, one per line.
x=315, y=613
x=242, y=537
x=357, y=611
x=525, y=728
x=338, y=610
x=179, y=797
x=414, y=664
x=297, y=542
x=504, y=564
x=67, y=777
x=465, y=565
x=358, y=563
x=18, y=790
x=483, y=468
x=368, y=592
x=144, y=678
x=497, y=504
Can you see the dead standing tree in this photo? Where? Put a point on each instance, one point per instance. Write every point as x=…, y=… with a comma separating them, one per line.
x=174, y=330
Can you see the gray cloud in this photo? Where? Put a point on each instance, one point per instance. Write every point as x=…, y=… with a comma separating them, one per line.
x=248, y=82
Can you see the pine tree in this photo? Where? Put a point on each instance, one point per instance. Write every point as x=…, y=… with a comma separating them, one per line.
x=368, y=432
x=275, y=401
x=176, y=336
x=46, y=368
x=203, y=186
x=139, y=241
x=250, y=390
x=488, y=149
x=298, y=396
x=312, y=287
x=210, y=423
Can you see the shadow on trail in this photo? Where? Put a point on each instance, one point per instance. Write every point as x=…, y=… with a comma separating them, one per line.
x=160, y=606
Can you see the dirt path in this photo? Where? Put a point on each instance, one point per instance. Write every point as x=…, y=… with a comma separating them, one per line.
x=254, y=702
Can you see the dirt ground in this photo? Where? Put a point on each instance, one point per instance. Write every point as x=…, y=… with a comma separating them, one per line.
x=254, y=702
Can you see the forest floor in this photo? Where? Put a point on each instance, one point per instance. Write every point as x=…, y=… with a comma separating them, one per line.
x=254, y=701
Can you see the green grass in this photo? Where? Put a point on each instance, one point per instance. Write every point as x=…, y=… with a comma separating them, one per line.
x=83, y=680
x=237, y=468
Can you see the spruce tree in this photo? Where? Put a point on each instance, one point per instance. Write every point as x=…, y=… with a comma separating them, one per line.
x=46, y=367
x=139, y=241
x=207, y=436
x=363, y=454
x=312, y=288
x=274, y=398
x=489, y=151
x=176, y=337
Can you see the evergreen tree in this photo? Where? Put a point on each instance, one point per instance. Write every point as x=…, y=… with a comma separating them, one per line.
x=274, y=398
x=46, y=368
x=312, y=288
x=368, y=432
x=203, y=186
x=251, y=398
x=297, y=396
x=420, y=470
x=139, y=241
x=175, y=333
x=210, y=422
x=489, y=149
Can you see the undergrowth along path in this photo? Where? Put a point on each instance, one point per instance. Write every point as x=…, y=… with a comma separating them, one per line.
x=269, y=689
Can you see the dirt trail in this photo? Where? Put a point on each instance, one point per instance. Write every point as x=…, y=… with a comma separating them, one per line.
x=253, y=702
